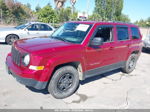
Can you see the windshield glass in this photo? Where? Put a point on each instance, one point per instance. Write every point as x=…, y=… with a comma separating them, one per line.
x=72, y=32
x=21, y=26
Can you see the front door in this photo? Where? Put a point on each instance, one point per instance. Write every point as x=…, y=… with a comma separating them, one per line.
x=104, y=55
x=32, y=31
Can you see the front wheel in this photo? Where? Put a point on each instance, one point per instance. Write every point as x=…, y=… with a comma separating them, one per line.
x=130, y=64
x=64, y=82
x=11, y=38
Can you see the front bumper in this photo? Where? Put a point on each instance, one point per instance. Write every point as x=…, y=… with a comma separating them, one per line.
x=2, y=40
x=146, y=44
x=16, y=73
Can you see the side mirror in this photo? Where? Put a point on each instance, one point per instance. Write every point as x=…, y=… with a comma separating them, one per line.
x=26, y=29
x=97, y=41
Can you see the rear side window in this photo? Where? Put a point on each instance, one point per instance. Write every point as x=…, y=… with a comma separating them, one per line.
x=122, y=33
x=44, y=27
x=135, y=33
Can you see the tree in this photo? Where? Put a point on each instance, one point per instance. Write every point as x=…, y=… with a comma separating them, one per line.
x=28, y=5
x=143, y=23
x=15, y=12
x=5, y=10
x=74, y=16
x=123, y=18
x=37, y=8
x=59, y=3
x=47, y=15
x=148, y=22
x=64, y=14
x=108, y=9
x=95, y=17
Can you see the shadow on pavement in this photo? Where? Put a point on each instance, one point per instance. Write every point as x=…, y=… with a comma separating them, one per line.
x=3, y=43
x=146, y=51
x=88, y=80
x=44, y=91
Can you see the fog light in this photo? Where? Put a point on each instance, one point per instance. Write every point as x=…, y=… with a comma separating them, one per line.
x=36, y=67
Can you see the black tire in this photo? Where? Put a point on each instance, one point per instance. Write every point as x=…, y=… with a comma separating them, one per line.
x=144, y=49
x=130, y=64
x=64, y=82
x=11, y=38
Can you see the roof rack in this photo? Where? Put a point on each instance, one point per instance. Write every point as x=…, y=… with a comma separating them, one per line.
x=121, y=22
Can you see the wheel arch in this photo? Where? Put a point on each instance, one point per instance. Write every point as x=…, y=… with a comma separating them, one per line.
x=75, y=64
x=135, y=51
x=11, y=34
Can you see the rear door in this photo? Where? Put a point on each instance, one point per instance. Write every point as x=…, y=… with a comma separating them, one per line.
x=123, y=42
x=45, y=30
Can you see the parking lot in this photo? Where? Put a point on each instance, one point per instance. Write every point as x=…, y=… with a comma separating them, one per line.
x=113, y=90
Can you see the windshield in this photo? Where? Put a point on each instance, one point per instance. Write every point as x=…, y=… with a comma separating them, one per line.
x=72, y=32
x=21, y=26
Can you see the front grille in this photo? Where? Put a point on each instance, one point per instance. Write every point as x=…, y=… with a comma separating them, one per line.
x=16, y=56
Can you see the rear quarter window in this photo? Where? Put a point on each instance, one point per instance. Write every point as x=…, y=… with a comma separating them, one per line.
x=135, y=33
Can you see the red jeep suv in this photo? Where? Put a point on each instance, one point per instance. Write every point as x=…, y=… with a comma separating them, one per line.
x=76, y=51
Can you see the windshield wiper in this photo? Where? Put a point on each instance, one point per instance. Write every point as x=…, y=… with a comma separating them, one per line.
x=59, y=38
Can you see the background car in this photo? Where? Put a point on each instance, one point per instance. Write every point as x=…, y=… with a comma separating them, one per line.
x=146, y=43
x=28, y=30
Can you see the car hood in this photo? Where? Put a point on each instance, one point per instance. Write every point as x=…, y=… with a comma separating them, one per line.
x=41, y=44
x=8, y=29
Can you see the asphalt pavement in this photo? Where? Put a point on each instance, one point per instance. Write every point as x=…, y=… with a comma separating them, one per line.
x=113, y=90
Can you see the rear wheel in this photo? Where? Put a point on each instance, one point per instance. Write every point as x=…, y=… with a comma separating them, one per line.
x=130, y=64
x=64, y=82
x=11, y=38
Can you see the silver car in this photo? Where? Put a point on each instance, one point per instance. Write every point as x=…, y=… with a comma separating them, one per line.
x=28, y=30
x=146, y=42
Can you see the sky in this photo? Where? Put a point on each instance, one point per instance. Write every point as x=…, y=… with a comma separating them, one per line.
x=135, y=9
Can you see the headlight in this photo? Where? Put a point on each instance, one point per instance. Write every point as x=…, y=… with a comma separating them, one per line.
x=26, y=60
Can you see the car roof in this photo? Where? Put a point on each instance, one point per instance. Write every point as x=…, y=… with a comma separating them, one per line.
x=36, y=22
x=105, y=22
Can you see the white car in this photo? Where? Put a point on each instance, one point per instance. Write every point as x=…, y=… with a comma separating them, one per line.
x=146, y=42
x=29, y=30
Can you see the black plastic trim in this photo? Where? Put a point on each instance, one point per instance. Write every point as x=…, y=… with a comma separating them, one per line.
x=28, y=82
x=104, y=69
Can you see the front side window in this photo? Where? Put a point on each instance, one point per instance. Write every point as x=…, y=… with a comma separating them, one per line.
x=33, y=27
x=122, y=33
x=72, y=32
x=135, y=33
x=105, y=32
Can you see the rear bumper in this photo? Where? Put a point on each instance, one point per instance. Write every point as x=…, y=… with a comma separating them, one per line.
x=14, y=71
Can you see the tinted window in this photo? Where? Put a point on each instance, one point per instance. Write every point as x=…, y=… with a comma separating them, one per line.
x=21, y=26
x=33, y=27
x=135, y=33
x=122, y=33
x=106, y=33
x=72, y=32
x=44, y=27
